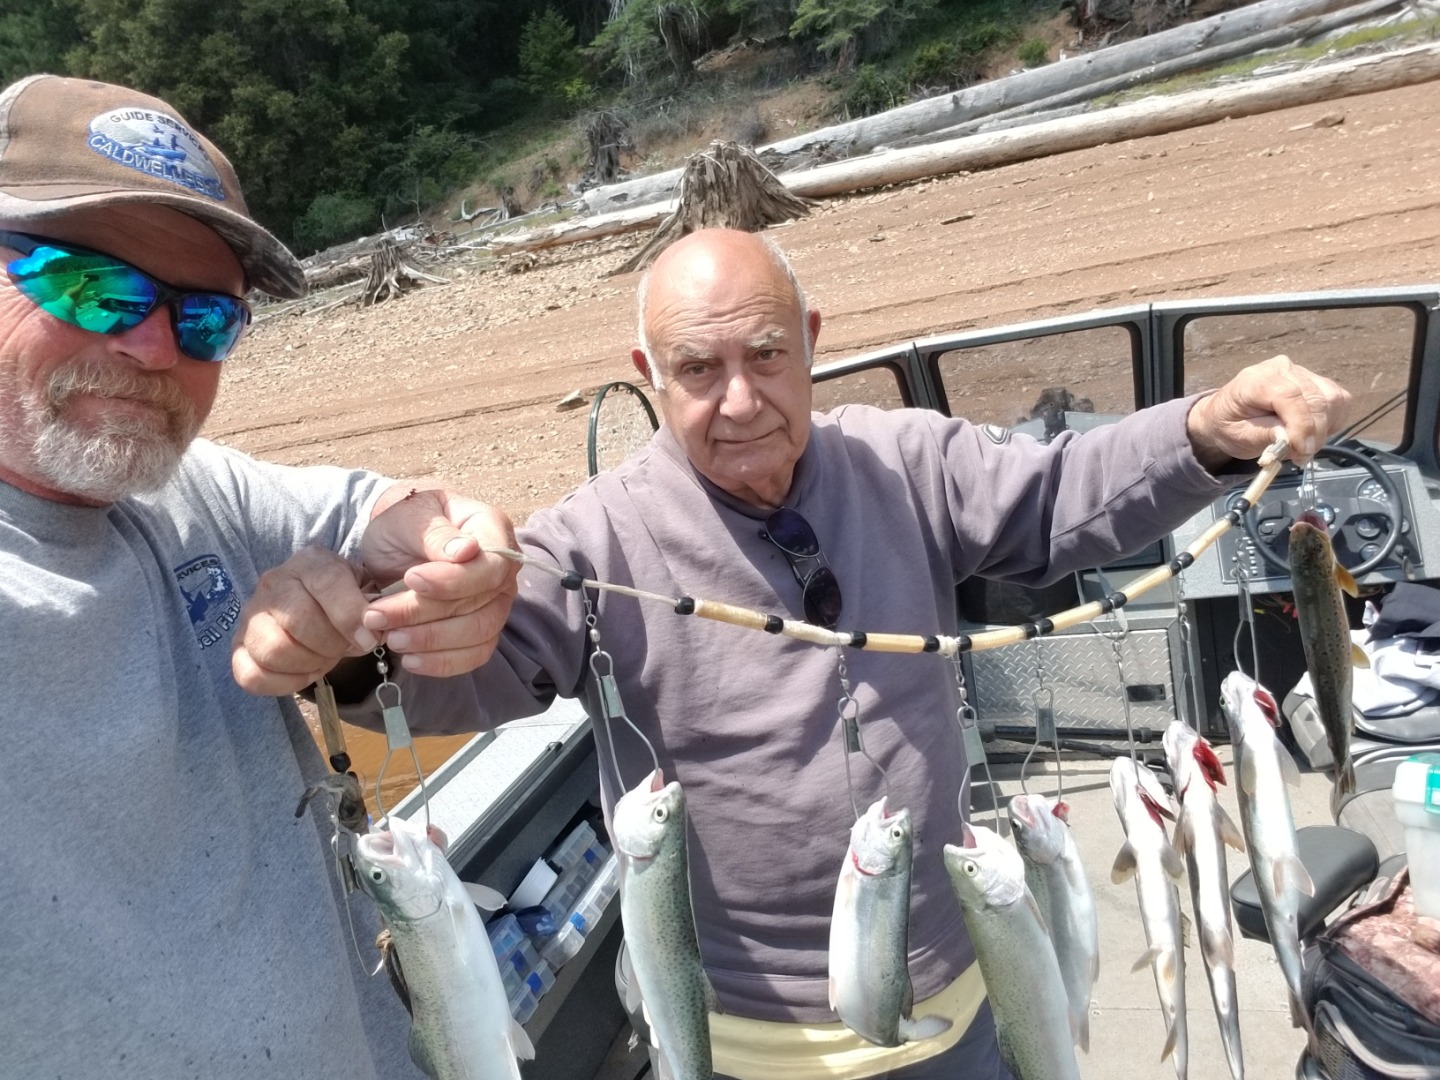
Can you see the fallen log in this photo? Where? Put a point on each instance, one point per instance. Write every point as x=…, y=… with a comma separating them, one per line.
x=1219, y=54
x=1152, y=116
x=947, y=110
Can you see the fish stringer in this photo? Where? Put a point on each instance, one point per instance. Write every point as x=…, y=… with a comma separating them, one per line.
x=1246, y=621
x=1046, y=730
x=602, y=668
x=397, y=736
x=973, y=742
x=1117, y=638
x=848, y=709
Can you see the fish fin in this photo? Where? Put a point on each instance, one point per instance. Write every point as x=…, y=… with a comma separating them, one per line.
x=1346, y=580
x=1169, y=967
x=1124, y=867
x=1173, y=864
x=1358, y=656
x=712, y=999
x=663, y=1069
x=1185, y=930
x=907, y=997
x=1228, y=832
x=1147, y=958
x=1035, y=908
x=1219, y=946
x=484, y=897
x=1180, y=843
x=830, y=985
x=632, y=984
x=1171, y=1038
x=1290, y=868
x=1345, y=778
x=1246, y=770
x=419, y=1055
x=926, y=1027
x=1288, y=768
x=520, y=1042
x=1082, y=1037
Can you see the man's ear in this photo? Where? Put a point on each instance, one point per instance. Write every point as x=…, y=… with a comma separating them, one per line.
x=642, y=365
x=813, y=328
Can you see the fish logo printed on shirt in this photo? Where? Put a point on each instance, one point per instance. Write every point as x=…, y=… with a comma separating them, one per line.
x=158, y=145
x=209, y=598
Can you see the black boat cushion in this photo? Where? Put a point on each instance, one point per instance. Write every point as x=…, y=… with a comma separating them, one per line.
x=1339, y=862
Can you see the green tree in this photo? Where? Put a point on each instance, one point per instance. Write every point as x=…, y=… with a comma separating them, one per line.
x=35, y=36
x=853, y=29
x=548, y=56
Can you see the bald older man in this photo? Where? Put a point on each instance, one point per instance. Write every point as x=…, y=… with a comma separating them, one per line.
x=903, y=505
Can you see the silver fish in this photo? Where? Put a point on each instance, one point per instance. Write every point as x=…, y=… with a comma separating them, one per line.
x=461, y=1028
x=1057, y=880
x=1201, y=833
x=1316, y=580
x=869, y=931
x=1022, y=976
x=659, y=920
x=1265, y=768
x=1147, y=856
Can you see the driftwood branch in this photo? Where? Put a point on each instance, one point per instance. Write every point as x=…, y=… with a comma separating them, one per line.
x=390, y=274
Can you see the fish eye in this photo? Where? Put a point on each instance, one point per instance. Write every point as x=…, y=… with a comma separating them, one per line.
x=971, y=869
x=377, y=875
x=897, y=833
x=660, y=814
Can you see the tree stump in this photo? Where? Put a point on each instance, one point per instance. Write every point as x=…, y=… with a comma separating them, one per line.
x=608, y=138
x=726, y=187
x=390, y=275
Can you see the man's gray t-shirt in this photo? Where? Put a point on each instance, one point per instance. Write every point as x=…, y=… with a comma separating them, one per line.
x=165, y=913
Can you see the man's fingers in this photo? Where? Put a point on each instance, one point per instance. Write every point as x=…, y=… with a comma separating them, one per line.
x=458, y=632
x=303, y=617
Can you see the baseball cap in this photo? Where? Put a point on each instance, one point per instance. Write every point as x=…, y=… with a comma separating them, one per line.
x=70, y=143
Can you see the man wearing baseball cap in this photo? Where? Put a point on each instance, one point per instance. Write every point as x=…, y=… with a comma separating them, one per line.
x=165, y=915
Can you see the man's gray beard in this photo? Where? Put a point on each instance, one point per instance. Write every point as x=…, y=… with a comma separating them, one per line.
x=120, y=455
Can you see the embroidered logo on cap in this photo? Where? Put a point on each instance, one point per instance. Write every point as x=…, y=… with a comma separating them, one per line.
x=209, y=598
x=158, y=145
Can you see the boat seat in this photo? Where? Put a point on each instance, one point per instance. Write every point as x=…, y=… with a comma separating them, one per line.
x=1339, y=861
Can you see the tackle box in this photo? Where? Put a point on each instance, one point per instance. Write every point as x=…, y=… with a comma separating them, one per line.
x=572, y=849
x=571, y=935
x=562, y=898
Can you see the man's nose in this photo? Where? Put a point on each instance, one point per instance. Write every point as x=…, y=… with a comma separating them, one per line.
x=151, y=345
x=741, y=401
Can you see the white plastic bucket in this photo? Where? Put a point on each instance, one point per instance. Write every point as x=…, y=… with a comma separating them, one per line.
x=1417, y=805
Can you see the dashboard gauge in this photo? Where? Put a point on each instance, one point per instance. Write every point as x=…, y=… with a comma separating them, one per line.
x=1370, y=489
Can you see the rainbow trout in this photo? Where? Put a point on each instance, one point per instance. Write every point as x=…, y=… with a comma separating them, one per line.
x=1022, y=976
x=1201, y=833
x=869, y=931
x=1057, y=881
x=461, y=1028
x=659, y=920
x=1148, y=857
x=1316, y=580
x=1265, y=768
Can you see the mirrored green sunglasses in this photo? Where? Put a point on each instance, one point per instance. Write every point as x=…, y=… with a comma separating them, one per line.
x=98, y=292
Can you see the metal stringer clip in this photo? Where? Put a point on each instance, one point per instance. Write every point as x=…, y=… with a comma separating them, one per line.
x=848, y=709
x=397, y=736
x=974, y=743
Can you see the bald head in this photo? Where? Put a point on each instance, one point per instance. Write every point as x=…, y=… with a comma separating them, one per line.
x=704, y=256
x=726, y=340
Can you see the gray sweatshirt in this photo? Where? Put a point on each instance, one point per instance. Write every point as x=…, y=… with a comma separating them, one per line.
x=905, y=505
x=165, y=914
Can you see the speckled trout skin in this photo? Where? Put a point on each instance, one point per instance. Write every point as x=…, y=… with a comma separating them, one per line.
x=1148, y=857
x=1201, y=833
x=1022, y=976
x=869, y=932
x=461, y=1027
x=659, y=920
x=1315, y=579
x=1057, y=880
x=1264, y=768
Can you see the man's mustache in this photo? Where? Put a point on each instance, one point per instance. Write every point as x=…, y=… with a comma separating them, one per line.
x=112, y=381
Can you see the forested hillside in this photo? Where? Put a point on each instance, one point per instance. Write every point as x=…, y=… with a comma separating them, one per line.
x=339, y=114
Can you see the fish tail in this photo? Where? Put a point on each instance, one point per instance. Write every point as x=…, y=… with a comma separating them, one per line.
x=923, y=1027
x=1345, y=776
